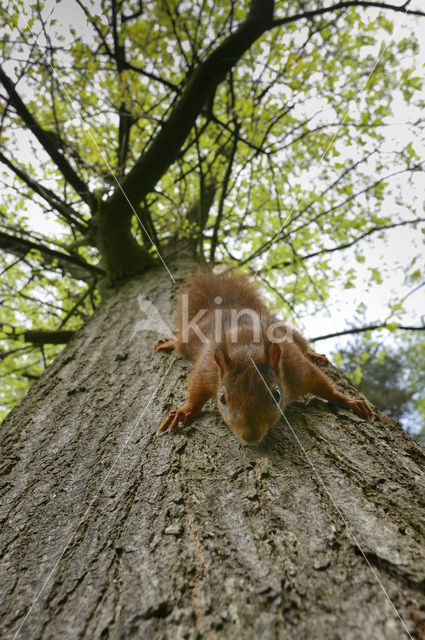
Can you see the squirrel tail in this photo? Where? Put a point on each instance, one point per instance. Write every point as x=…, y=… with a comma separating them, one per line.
x=208, y=290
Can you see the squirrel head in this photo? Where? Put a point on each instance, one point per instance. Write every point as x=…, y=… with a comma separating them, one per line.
x=250, y=394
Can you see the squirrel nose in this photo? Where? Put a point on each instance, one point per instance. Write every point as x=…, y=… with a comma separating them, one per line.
x=250, y=438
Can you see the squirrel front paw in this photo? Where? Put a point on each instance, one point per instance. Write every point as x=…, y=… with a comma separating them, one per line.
x=181, y=416
x=163, y=344
x=363, y=409
x=318, y=357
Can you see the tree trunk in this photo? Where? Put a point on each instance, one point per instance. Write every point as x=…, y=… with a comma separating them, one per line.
x=109, y=531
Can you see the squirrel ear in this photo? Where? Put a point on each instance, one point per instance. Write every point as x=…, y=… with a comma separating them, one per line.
x=272, y=350
x=274, y=354
x=221, y=356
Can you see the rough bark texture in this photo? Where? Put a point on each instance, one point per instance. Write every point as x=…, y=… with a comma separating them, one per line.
x=111, y=532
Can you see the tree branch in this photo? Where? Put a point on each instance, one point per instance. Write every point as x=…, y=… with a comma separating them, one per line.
x=345, y=5
x=223, y=194
x=62, y=207
x=345, y=245
x=135, y=14
x=48, y=142
x=124, y=63
x=164, y=149
x=371, y=327
x=285, y=234
x=76, y=266
x=197, y=214
x=38, y=336
x=152, y=76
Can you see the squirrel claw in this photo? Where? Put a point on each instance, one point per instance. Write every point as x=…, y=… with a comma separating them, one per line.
x=363, y=409
x=163, y=344
x=319, y=357
x=173, y=420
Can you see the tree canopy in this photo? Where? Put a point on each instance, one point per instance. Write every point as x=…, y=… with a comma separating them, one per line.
x=255, y=135
x=393, y=378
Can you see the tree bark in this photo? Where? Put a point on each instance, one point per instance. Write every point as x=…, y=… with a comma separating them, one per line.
x=109, y=531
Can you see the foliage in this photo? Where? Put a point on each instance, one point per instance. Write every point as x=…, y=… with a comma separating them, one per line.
x=284, y=161
x=392, y=377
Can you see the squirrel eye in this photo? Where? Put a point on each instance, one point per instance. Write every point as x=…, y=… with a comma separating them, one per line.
x=276, y=395
x=222, y=398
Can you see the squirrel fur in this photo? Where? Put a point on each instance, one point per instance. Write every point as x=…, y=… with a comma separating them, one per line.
x=253, y=363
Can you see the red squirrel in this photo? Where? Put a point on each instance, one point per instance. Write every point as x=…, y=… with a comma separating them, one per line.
x=253, y=363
